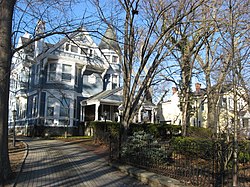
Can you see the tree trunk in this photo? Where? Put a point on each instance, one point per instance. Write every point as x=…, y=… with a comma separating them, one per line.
x=186, y=75
x=185, y=120
x=212, y=113
x=6, y=13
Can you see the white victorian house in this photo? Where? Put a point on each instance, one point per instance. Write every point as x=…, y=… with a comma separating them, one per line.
x=48, y=81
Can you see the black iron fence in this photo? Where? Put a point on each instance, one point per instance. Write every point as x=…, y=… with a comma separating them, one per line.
x=212, y=167
x=194, y=161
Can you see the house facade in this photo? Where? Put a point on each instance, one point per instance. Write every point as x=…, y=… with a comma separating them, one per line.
x=169, y=111
x=227, y=113
x=48, y=81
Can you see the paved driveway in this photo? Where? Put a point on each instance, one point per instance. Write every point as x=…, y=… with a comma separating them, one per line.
x=56, y=163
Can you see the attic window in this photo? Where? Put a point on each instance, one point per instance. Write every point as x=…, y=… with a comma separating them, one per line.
x=67, y=47
x=84, y=51
x=74, y=49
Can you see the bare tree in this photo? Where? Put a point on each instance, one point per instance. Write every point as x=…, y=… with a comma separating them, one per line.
x=227, y=52
x=238, y=17
x=215, y=66
x=189, y=37
x=16, y=17
x=143, y=44
x=6, y=14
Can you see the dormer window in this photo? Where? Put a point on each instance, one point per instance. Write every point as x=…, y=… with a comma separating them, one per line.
x=67, y=47
x=80, y=50
x=84, y=51
x=74, y=49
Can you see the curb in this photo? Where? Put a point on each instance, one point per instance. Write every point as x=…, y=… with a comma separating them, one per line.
x=20, y=167
x=150, y=178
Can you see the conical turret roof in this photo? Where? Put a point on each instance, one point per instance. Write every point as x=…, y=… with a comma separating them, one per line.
x=109, y=40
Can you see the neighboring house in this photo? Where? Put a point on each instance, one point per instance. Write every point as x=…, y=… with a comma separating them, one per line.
x=169, y=111
x=227, y=112
x=48, y=81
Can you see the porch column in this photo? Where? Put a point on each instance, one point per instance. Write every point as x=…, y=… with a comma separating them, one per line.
x=139, y=115
x=96, y=110
x=153, y=115
x=82, y=117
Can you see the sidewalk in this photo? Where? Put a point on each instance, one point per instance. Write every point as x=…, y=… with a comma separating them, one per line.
x=57, y=163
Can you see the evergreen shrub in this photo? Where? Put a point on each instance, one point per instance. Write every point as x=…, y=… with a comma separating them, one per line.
x=193, y=147
x=159, y=131
x=142, y=148
x=103, y=130
x=244, y=152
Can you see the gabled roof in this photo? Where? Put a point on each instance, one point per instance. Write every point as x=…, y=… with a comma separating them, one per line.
x=112, y=97
x=57, y=45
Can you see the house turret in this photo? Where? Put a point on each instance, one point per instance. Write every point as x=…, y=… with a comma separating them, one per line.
x=109, y=40
x=109, y=47
x=40, y=29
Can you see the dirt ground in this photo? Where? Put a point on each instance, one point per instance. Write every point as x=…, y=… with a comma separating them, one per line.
x=16, y=154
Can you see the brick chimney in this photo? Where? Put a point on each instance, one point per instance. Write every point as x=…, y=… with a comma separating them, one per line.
x=197, y=88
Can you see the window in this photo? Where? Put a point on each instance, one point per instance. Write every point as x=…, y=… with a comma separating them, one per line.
x=77, y=71
x=64, y=108
x=36, y=74
x=67, y=47
x=114, y=82
x=34, y=106
x=66, y=72
x=90, y=52
x=84, y=51
x=24, y=111
x=75, y=107
x=74, y=49
x=245, y=123
x=114, y=59
x=50, y=106
x=52, y=71
x=92, y=79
